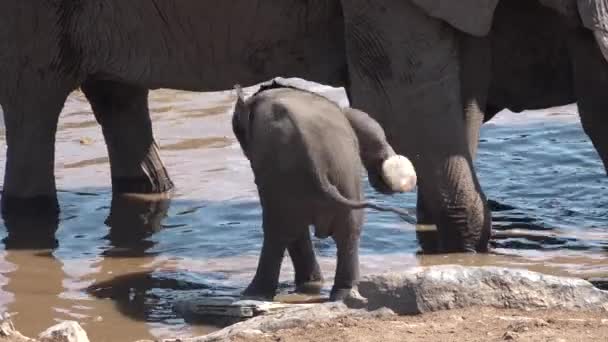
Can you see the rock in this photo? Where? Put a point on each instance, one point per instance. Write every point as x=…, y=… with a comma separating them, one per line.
x=8, y=332
x=225, y=310
x=290, y=316
x=426, y=289
x=66, y=331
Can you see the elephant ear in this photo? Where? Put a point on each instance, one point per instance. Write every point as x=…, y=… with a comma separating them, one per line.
x=594, y=14
x=240, y=119
x=471, y=16
x=567, y=8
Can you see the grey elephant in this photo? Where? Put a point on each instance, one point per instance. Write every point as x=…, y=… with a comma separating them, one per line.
x=306, y=155
x=429, y=71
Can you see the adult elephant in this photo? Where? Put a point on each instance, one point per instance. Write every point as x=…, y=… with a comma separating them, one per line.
x=427, y=70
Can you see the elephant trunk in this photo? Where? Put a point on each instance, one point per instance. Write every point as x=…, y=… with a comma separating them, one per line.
x=594, y=14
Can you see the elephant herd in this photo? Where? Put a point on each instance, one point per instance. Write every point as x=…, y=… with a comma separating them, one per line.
x=429, y=72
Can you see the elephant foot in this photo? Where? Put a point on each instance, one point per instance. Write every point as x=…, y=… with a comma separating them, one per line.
x=310, y=287
x=149, y=177
x=428, y=239
x=142, y=185
x=254, y=292
x=338, y=295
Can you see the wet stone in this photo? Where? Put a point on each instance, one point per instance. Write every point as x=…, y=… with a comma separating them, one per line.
x=427, y=289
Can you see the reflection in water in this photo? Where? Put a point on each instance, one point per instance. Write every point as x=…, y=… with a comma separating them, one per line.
x=30, y=232
x=43, y=291
x=132, y=220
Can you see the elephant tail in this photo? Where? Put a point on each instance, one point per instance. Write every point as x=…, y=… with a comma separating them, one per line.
x=332, y=192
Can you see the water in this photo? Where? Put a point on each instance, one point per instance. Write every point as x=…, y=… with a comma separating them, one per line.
x=539, y=169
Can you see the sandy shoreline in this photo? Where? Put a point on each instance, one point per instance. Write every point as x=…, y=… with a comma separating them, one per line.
x=471, y=324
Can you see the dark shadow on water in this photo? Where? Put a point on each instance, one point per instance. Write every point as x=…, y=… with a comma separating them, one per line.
x=152, y=297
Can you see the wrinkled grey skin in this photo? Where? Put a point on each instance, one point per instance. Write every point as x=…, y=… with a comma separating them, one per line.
x=429, y=71
x=306, y=153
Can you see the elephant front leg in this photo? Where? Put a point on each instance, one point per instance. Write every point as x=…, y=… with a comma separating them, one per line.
x=308, y=279
x=122, y=111
x=590, y=71
x=475, y=72
x=31, y=116
x=404, y=70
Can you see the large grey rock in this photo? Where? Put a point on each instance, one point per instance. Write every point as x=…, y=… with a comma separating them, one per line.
x=291, y=316
x=66, y=331
x=425, y=289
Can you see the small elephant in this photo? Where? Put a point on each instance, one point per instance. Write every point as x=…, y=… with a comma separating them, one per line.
x=306, y=155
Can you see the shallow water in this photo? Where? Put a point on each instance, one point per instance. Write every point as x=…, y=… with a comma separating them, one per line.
x=539, y=169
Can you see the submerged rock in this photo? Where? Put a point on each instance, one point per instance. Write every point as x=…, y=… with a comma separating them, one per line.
x=425, y=289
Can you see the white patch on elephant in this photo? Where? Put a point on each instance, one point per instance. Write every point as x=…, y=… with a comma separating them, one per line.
x=335, y=94
x=399, y=173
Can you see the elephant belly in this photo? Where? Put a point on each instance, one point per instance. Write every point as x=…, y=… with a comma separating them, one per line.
x=211, y=45
x=530, y=59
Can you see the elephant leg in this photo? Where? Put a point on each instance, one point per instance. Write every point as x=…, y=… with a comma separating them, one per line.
x=266, y=280
x=475, y=74
x=122, y=111
x=475, y=69
x=31, y=116
x=277, y=236
x=409, y=80
x=309, y=278
x=347, y=230
x=591, y=81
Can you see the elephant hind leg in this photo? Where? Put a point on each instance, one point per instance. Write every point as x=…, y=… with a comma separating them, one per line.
x=31, y=113
x=122, y=111
x=309, y=279
x=346, y=233
x=591, y=81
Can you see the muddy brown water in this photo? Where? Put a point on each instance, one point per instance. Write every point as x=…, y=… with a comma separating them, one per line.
x=546, y=183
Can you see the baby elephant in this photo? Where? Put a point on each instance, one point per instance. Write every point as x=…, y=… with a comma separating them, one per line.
x=306, y=155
